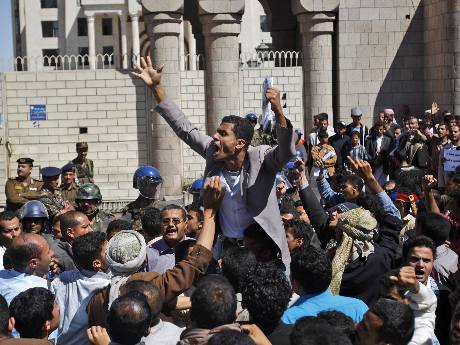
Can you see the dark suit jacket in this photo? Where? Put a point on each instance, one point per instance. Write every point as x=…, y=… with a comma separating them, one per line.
x=381, y=160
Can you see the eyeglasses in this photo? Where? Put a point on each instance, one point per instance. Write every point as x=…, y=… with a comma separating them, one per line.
x=175, y=221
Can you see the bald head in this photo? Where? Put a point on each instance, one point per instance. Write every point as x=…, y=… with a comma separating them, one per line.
x=30, y=253
x=74, y=224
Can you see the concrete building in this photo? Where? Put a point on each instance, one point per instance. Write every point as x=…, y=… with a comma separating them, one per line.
x=402, y=54
x=109, y=32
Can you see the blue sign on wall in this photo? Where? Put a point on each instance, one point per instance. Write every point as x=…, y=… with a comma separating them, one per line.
x=37, y=112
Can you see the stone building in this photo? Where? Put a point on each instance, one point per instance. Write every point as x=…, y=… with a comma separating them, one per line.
x=368, y=53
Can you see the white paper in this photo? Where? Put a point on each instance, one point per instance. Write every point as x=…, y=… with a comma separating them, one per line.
x=452, y=159
x=268, y=117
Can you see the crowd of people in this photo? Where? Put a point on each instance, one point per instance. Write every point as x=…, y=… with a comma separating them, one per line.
x=347, y=235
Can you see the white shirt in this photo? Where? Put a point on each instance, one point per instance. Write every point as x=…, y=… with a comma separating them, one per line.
x=2, y=252
x=379, y=143
x=72, y=290
x=12, y=283
x=234, y=217
x=163, y=333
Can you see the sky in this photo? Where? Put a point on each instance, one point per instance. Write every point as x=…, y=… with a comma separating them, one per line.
x=6, y=36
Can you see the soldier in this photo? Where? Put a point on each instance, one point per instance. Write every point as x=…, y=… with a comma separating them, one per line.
x=259, y=137
x=68, y=186
x=34, y=219
x=147, y=180
x=84, y=167
x=88, y=199
x=22, y=188
x=51, y=195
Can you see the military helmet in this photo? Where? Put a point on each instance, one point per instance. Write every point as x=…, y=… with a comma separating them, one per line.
x=89, y=191
x=33, y=209
x=196, y=186
x=251, y=117
x=147, y=171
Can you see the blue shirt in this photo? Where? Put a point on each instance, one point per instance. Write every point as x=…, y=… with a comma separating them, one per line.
x=161, y=257
x=312, y=305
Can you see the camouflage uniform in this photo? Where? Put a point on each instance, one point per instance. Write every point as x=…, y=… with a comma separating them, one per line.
x=101, y=221
x=133, y=211
x=53, y=201
x=84, y=171
x=69, y=194
x=262, y=138
x=17, y=194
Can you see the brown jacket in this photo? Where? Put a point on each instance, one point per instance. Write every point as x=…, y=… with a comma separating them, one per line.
x=318, y=152
x=171, y=283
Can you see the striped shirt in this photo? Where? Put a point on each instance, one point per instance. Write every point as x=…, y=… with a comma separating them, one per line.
x=358, y=152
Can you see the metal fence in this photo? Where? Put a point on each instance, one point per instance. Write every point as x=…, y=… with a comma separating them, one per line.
x=265, y=59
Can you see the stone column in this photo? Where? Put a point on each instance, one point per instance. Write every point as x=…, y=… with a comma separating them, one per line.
x=163, y=29
x=220, y=33
x=124, y=41
x=91, y=42
x=181, y=47
x=316, y=35
x=191, y=61
x=135, y=34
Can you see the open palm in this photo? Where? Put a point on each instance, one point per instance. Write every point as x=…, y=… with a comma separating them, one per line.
x=147, y=73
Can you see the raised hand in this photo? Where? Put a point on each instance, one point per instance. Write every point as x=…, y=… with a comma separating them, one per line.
x=98, y=335
x=434, y=108
x=407, y=279
x=150, y=75
x=213, y=193
x=361, y=168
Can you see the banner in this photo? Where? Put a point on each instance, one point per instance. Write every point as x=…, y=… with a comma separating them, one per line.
x=452, y=158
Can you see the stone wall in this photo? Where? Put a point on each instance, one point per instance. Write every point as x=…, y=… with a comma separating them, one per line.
x=288, y=79
x=109, y=104
x=113, y=108
x=380, y=56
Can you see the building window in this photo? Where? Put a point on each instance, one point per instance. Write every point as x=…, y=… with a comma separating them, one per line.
x=82, y=26
x=50, y=29
x=264, y=24
x=83, y=59
x=107, y=53
x=48, y=3
x=50, y=57
x=107, y=29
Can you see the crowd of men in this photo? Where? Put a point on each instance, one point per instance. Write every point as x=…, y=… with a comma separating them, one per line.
x=347, y=235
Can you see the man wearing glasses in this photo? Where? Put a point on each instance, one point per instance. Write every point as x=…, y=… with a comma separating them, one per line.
x=161, y=254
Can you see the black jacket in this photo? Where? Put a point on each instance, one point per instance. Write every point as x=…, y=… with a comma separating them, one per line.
x=360, y=278
x=363, y=132
x=342, y=147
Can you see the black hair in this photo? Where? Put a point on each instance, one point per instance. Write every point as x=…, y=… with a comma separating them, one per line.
x=398, y=321
x=129, y=318
x=288, y=206
x=4, y=316
x=69, y=220
x=213, y=303
x=368, y=202
x=418, y=241
x=400, y=156
x=151, y=292
x=340, y=321
x=174, y=207
x=21, y=254
x=455, y=194
x=310, y=330
x=87, y=248
x=311, y=268
x=301, y=230
x=257, y=233
x=322, y=134
x=196, y=208
x=298, y=203
x=242, y=128
x=354, y=180
x=151, y=221
x=236, y=263
x=434, y=226
x=31, y=309
x=117, y=225
x=266, y=293
x=230, y=337
x=322, y=116
x=448, y=118
x=7, y=215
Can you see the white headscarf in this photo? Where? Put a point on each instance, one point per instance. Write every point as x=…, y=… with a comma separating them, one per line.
x=125, y=254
